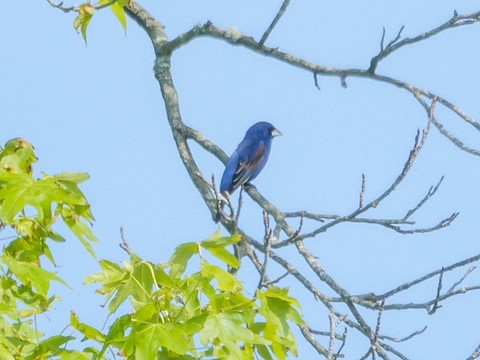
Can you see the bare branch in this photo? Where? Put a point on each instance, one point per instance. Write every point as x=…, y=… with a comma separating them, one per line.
x=344, y=340
x=443, y=223
x=408, y=285
x=457, y=283
x=333, y=335
x=383, y=39
x=311, y=339
x=475, y=354
x=455, y=21
x=75, y=8
x=124, y=244
x=430, y=193
x=239, y=208
x=428, y=304
x=209, y=29
x=419, y=142
x=390, y=349
x=181, y=133
x=416, y=333
x=325, y=333
x=383, y=50
x=323, y=276
x=456, y=141
x=395, y=40
x=439, y=289
x=277, y=18
x=375, y=346
x=315, y=81
x=269, y=283
x=266, y=239
x=62, y=7
x=331, y=342
x=362, y=192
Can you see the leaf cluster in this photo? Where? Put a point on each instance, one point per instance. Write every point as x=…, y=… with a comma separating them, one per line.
x=29, y=209
x=187, y=308
x=192, y=316
x=86, y=11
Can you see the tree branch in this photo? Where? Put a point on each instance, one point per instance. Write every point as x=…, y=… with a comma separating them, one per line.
x=394, y=45
x=277, y=18
x=182, y=133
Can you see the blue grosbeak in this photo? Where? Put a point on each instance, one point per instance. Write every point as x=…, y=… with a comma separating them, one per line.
x=250, y=157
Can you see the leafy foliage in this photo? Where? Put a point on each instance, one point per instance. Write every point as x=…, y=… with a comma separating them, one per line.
x=205, y=314
x=29, y=208
x=177, y=313
x=87, y=10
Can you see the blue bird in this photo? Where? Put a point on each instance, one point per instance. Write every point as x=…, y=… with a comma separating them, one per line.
x=250, y=157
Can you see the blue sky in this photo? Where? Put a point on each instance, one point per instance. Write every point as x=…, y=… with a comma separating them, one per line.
x=98, y=109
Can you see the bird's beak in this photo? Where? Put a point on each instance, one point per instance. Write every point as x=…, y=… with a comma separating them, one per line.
x=276, y=132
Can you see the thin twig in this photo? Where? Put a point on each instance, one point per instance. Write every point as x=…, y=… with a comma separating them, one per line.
x=418, y=145
x=248, y=42
x=315, y=81
x=124, y=244
x=311, y=339
x=60, y=6
x=409, y=284
x=468, y=272
x=455, y=21
x=75, y=8
x=362, y=192
x=344, y=341
x=277, y=18
x=331, y=341
x=430, y=193
x=398, y=340
x=272, y=282
x=428, y=304
x=374, y=341
x=267, y=238
x=239, y=208
x=439, y=289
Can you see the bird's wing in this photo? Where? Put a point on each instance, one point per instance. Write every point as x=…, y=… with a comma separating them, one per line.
x=247, y=165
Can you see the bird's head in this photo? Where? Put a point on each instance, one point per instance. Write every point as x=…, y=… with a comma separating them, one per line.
x=263, y=130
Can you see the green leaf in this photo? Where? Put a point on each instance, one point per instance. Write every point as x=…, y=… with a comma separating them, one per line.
x=277, y=307
x=229, y=329
x=116, y=333
x=70, y=177
x=20, y=190
x=136, y=281
x=225, y=256
x=29, y=273
x=81, y=230
x=216, y=245
x=180, y=258
x=85, y=14
x=88, y=331
x=226, y=281
x=218, y=241
x=282, y=294
x=111, y=272
x=163, y=278
x=17, y=157
x=50, y=346
x=119, y=11
x=146, y=339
